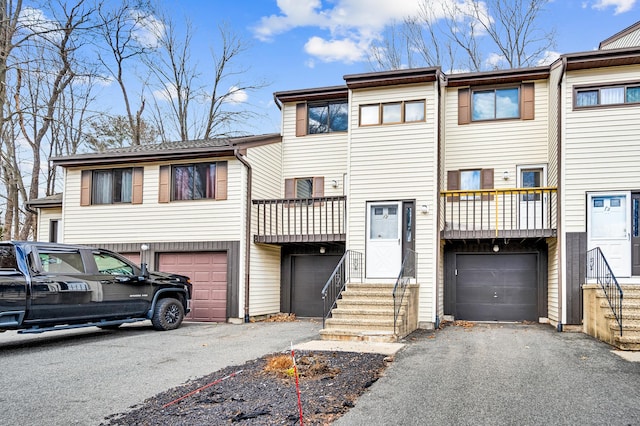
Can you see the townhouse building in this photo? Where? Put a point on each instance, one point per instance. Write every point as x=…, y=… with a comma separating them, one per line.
x=397, y=200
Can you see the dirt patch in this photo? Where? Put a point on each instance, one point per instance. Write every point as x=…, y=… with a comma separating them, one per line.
x=263, y=392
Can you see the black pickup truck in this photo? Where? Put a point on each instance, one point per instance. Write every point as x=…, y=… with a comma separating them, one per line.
x=48, y=286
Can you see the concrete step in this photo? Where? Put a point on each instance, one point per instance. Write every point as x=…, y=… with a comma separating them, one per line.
x=628, y=343
x=365, y=324
x=627, y=304
x=350, y=335
x=361, y=314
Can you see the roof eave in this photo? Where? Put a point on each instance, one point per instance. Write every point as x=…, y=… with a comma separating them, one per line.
x=498, y=77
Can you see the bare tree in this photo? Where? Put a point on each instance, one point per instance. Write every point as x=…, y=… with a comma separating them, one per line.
x=200, y=107
x=121, y=30
x=43, y=64
x=106, y=132
x=469, y=35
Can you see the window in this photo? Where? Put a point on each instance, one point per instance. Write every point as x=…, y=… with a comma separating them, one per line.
x=194, y=181
x=500, y=103
x=111, y=186
x=495, y=104
x=65, y=262
x=607, y=95
x=470, y=180
x=54, y=230
x=111, y=265
x=327, y=117
x=197, y=181
x=392, y=113
x=311, y=187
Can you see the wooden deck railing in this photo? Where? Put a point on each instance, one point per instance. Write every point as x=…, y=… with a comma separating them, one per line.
x=298, y=220
x=499, y=213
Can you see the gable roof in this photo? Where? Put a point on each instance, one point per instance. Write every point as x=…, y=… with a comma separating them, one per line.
x=202, y=148
x=628, y=37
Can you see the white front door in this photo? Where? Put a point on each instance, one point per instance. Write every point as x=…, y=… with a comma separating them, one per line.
x=609, y=227
x=384, y=247
x=532, y=205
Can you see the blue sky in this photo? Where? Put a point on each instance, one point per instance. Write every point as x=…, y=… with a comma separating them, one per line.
x=297, y=44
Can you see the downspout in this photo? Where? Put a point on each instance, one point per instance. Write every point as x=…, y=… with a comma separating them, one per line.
x=559, y=189
x=439, y=77
x=247, y=248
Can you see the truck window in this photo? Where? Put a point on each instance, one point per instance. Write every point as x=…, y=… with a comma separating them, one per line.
x=61, y=262
x=108, y=264
x=8, y=258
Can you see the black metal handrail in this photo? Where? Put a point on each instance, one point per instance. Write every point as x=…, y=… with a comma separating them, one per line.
x=349, y=269
x=598, y=268
x=407, y=271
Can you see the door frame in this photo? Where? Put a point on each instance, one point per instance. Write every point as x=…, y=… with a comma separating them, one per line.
x=590, y=243
x=369, y=273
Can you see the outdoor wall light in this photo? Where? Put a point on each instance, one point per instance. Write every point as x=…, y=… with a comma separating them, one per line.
x=505, y=175
x=424, y=209
x=334, y=183
x=496, y=248
x=323, y=250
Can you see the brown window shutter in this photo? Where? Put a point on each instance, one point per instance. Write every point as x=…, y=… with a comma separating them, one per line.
x=289, y=188
x=85, y=187
x=221, y=180
x=453, y=180
x=301, y=119
x=486, y=179
x=138, y=177
x=528, y=101
x=464, y=106
x=164, y=191
x=318, y=186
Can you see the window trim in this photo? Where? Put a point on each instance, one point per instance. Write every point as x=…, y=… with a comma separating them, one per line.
x=167, y=182
x=328, y=104
x=495, y=103
x=403, y=119
x=591, y=87
x=87, y=190
x=526, y=102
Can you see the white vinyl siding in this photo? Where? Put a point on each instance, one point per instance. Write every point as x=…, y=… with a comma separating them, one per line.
x=394, y=163
x=197, y=220
x=322, y=154
x=600, y=145
x=554, y=106
x=45, y=216
x=500, y=145
x=265, y=281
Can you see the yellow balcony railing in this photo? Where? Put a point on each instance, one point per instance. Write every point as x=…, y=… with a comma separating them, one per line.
x=498, y=213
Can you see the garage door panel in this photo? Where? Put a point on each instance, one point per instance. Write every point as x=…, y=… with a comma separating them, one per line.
x=496, y=287
x=207, y=271
x=309, y=275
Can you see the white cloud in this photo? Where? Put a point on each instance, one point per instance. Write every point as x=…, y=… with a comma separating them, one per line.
x=35, y=21
x=236, y=96
x=548, y=58
x=494, y=61
x=148, y=30
x=621, y=6
x=344, y=50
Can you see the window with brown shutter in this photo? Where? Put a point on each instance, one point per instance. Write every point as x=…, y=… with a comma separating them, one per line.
x=528, y=101
x=301, y=119
x=196, y=181
x=464, y=106
x=221, y=180
x=137, y=179
x=312, y=187
x=85, y=187
x=164, y=190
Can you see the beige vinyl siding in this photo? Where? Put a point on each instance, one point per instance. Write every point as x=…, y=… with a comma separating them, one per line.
x=266, y=163
x=392, y=163
x=197, y=220
x=45, y=216
x=552, y=281
x=313, y=155
x=554, y=106
x=600, y=145
x=265, y=280
x=501, y=144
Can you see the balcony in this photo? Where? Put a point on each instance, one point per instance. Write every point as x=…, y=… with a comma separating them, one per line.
x=499, y=213
x=300, y=220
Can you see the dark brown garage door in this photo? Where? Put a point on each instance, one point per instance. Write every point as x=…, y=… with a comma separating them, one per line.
x=208, y=273
x=497, y=287
x=309, y=275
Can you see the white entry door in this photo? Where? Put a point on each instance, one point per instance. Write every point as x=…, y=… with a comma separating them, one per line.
x=384, y=247
x=609, y=227
x=532, y=205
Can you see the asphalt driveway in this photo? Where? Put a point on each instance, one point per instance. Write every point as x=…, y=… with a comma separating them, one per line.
x=503, y=374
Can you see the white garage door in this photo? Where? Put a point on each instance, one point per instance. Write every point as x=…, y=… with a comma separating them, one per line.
x=208, y=273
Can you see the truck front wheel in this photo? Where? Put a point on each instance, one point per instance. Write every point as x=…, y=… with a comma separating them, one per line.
x=168, y=314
